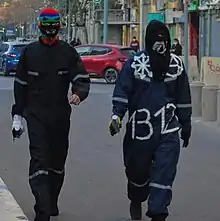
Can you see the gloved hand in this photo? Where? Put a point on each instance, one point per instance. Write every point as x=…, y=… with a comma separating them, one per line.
x=74, y=99
x=115, y=125
x=17, y=127
x=186, y=134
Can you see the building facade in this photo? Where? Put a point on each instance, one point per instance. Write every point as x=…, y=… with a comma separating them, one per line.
x=209, y=19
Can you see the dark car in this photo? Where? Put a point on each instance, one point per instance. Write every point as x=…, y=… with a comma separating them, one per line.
x=10, y=53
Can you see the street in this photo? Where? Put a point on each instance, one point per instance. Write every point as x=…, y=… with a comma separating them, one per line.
x=95, y=185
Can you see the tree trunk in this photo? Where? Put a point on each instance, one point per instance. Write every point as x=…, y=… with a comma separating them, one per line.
x=86, y=34
x=76, y=30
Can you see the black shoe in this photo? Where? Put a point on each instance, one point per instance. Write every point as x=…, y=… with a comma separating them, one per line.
x=159, y=218
x=136, y=210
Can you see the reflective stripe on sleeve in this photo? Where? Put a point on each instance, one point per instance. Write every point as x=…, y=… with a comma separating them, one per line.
x=37, y=173
x=159, y=186
x=120, y=99
x=20, y=81
x=184, y=105
x=33, y=73
x=170, y=79
x=80, y=76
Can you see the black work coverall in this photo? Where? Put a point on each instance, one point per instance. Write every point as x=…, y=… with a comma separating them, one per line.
x=157, y=110
x=41, y=86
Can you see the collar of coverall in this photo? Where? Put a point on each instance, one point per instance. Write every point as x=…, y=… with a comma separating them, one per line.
x=49, y=41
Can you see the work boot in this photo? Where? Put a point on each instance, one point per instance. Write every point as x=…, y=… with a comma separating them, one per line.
x=136, y=210
x=159, y=218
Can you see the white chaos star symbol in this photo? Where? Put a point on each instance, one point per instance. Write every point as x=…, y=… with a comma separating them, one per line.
x=141, y=66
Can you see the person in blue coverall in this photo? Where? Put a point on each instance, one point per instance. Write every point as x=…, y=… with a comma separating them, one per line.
x=153, y=86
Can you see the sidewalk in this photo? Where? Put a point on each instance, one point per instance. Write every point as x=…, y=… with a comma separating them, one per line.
x=9, y=209
x=210, y=124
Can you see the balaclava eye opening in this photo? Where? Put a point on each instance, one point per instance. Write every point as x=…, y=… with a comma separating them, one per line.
x=158, y=43
x=49, y=23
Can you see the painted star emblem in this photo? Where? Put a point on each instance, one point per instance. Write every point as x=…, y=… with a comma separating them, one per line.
x=141, y=66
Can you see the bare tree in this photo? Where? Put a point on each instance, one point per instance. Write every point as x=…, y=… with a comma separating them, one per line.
x=82, y=8
x=20, y=10
x=78, y=14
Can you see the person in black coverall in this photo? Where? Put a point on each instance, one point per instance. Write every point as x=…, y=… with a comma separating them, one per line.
x=45, y=70
x=153, y=86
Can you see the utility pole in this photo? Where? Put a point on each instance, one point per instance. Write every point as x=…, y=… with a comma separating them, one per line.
x=65, y=16
x=105, y=28
x=58, y=5
x=186, y=35
x=69, y=21
x=141, y=23
x=208, y=51
x=93, y=23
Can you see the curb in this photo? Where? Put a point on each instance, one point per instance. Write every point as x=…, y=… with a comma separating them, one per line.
x=9, y=208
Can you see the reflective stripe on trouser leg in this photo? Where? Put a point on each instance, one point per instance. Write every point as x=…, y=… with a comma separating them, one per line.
x=163, y=174
x=138, y=192
x=138, y=162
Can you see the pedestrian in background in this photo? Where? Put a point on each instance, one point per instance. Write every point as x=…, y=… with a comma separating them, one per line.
x=176, y=47
x=78, y=42
x=73, y=42
x=135, y=44
x=44, y=72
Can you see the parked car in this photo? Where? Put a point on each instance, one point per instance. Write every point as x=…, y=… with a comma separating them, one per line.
x=104, y=60
x=10, y=53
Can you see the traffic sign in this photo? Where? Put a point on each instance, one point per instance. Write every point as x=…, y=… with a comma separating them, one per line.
x=156, y=16
x=97, y=1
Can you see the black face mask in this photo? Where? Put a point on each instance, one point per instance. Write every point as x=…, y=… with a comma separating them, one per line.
x=158, y=45
x=49, y=30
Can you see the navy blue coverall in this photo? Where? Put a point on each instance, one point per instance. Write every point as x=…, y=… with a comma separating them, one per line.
x=156, y=112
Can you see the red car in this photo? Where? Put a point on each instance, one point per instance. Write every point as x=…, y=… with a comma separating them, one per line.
x=104, y=60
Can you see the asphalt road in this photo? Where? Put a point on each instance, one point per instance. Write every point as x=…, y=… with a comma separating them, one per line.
x=94, y=188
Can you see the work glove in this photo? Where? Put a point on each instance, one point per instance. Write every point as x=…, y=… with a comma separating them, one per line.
x=115, y=125
x=17, y=127
x=186, y=134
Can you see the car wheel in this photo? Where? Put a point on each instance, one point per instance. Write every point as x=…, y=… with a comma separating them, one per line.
x=4, y=69
x=111, y=75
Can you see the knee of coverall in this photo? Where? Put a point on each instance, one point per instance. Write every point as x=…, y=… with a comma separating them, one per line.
x=138, y=164
x=39, y=147
x=163, y=172
x=59, y=145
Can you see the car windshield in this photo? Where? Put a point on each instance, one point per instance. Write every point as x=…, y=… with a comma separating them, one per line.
x=83, y=51
x=19, y=48
x=128, y=52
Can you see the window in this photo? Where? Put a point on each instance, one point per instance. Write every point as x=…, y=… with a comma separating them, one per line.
x=100, y=50
x=128, y=51
x=83, y=51
x=18, y=48
x=3, y=48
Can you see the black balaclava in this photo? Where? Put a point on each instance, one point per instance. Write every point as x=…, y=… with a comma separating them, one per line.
x=158, y=44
